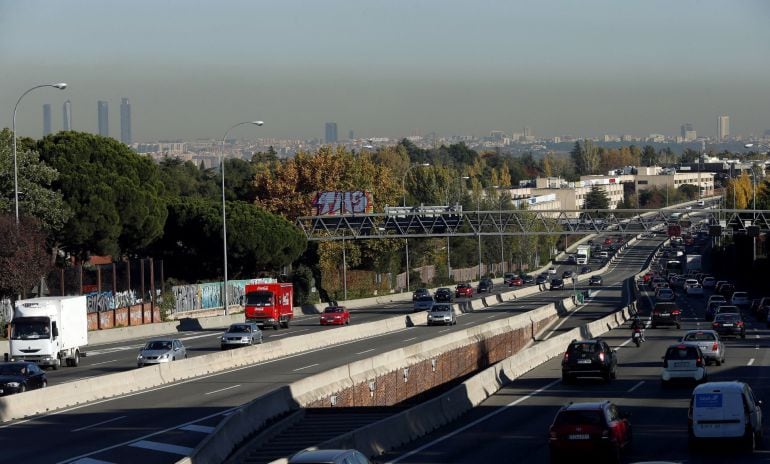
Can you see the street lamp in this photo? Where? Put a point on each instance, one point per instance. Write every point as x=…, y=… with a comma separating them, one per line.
x=60, y=86
x=403, y=179
x=224, y=210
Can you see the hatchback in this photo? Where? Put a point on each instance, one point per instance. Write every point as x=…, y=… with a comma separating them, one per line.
x=589, y=358
x=443, y=294
x=20, y=376
x=729, y=324
x=424, y=303
x=665, y=294
x=595, y=280
x=241, y=334
x=443, y=314
x=485, y=285
x=581, y=429
x=683, y=361
x=557, y=284
x=464, y=290
x=667, y=313
x=710, y=345
x=420, y=292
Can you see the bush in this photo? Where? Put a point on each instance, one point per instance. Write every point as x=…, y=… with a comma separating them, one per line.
x=302, y=278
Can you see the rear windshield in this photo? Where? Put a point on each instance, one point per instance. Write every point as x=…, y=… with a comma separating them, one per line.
x=700, y=336
x=575, y=417
x=684, y=352
x=333, y=309
x=739, y=295
x=583, y=348
x=729, y=317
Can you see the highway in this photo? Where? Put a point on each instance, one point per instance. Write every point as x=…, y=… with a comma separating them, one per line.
x=514, y=422
x=162, y=424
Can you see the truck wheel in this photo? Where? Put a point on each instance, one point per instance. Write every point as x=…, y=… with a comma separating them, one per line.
x=275, y=326
x=56, y=364
x=75, y=362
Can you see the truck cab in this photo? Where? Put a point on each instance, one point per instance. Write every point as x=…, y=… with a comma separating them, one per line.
x=268, y=302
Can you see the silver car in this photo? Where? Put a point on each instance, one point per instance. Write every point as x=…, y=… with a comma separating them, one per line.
x=241, y=334
x=710, y=344
x=423, y=303
x=441, y=314
x=161, y=350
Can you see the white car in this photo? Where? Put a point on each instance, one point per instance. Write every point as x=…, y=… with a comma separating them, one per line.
x=708, y=282
x=740, y=299
x=552, y=270
x=683, y=361
x=725, y=410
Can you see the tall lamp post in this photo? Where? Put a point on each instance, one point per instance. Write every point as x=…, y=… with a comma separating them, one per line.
x=60, y=86
x=406, y=239
x=224, y=210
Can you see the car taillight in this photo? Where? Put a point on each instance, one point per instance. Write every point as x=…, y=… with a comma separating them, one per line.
x=739, y=323
x=601, y=357
x=675, y=312
x=715, y=324
x=715, y=346
x=552, y=435
x=566, y=358
x=699, y=362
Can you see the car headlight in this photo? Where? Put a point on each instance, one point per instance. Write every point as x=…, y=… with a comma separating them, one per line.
x=13, y=384
x=244, y=339
x=139, y=356
x=164, y=356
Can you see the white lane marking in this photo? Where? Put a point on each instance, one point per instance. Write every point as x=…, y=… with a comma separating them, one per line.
x=103, y=362
x=116, y=349
x=198, y=428
x=410, y=339
x=164, y=447
x=492, y=316
x=635, y=386
x=365, y=351
x=751, y=361
x=90, y=461
x=222, y=389
x=97, y=424
x=306, y=367
x=474, y=423
x=444, y=330
x=283, y=334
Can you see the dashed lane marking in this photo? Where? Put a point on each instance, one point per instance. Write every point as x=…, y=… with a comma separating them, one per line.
x=751, y=361
x=226, y=388
x=635, y=386
x=198, y=428
x=164, y=447
x=306, y=367
x=97, y=424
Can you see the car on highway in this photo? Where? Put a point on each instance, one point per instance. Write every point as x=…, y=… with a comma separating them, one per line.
x=240, y=334
x=552, y=270
x=485, y=285
x=557, y=284
x=20, y=376
x=161, y=350
x=583, y=430
x=338, y=315
x=542, y=279
x=595, y=280
x=664, y=294
x=666, y=313
x=607, y=241
x=420, y=292
x=516, y=282
x=718, y=284
x=658, y=282
x=443, y=294
x=567, y=274
x=571, y=259
x=329, y=456
x=585, y=269
x=726, y=290
x=508, y=277
x=424, y=303
x=712, y=304
x=604, y=255
x=463, y=290
x=683, y=361
x=528, y=279
x=710, y=345
x=695, y=289
x=589, y=358
x=740, y=299
x=443, y=314
x=724, y=411
x=708, y=282
x=726, y=308
x=729, y=325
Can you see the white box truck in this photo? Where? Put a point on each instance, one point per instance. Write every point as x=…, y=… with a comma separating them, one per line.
x=583, y=254
x=49, y=331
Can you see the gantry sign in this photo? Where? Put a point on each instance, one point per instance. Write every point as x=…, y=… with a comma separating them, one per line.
x=430, y=222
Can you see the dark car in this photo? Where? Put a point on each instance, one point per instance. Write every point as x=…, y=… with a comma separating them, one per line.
x=527, y=279
x=729, y=325
x=582, y=429
x=485, y=285
x=666, y=313
x=557, y=284
x=585, y=269
x=18, y=377
x=588, y=358
x=726, y=290
x=420, y=292
x=595, y=280
x=567, y=274
x=443, y=294
x=541, y=279
x=571, y=259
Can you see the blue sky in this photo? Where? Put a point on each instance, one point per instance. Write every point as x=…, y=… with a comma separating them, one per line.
x=390, y=68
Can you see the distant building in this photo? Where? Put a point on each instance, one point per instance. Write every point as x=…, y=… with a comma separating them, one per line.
x=331, y=132
x=46, y=119
x=67, y=116
x=723, y=127
x=687, y=133
x=125, y=121
x=104, y=126
x=351, y=135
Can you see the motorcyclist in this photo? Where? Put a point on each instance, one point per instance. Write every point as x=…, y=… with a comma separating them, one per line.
x=637, y=324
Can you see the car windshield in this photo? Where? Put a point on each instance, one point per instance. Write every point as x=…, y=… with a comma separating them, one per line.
x=13, y=369
x=30, y=328
x=239, y=328
x=158, y=345
x=337, y=309
x=699, y=336
x=425, y=298
x=577, y=417
x=439, y=309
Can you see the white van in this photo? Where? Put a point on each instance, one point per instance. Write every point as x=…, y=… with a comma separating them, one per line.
x=725, y=410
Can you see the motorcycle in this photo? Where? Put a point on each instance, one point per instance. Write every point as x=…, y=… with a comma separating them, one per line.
x=637, y=336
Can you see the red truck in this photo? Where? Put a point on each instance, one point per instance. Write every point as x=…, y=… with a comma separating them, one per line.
x=268, y=302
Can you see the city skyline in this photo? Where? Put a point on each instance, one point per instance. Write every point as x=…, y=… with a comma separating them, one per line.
x=560, y=68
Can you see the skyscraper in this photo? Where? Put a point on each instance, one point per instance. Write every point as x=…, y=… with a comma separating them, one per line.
x=67, y=110
x=104, y=126
x=46, y=119
x=125, y=121
x=688, y=133
x=331, y=132
x=723, y=127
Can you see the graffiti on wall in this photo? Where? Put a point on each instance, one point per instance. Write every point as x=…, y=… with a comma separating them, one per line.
x=334, y=203
x=206, y=295
x=105, y=301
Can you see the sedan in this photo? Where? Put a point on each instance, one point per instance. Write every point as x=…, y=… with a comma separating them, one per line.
x=18, y=377
x=336, y=315
x=444, y=294
x=566, y=274
x=585, y=269
x=665, y=294
x=710, y=344
x=541, y=279
x=740, y=299
x=241, y=334
x=516, y=282
x=528, y=279
x=729, y=324
x=595, y=280
x=420, y=292
x=485, y=285
x=161, y=350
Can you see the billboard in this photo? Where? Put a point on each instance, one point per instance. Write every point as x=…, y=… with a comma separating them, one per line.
x=337, y=203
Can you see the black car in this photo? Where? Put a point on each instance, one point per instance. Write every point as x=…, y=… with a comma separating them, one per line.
x=567, y=274
x=588, y=358
x=729, y=325
x=557, y=284
x=527, y=279
x=420, y=292
x=666, y=313
x=485, y=285
x=571, y=259
x=585, y=269
x=443, y=294
x=595, y=280
x=18, y=377
x=541, y=279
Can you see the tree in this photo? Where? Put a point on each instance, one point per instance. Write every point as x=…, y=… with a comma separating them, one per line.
x=596, y=199
x=739, y=194
x=649, y=156
x=687, y=192
x=24, y=258
x=115, y=194
x=689, y=156
x=586, y=157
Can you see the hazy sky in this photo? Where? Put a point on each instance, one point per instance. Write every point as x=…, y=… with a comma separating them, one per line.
x=389, y=68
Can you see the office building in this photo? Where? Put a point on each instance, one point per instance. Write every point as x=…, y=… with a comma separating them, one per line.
x=67, y=110
x=125, y=121
x=331, y=132
x=723, y=127
x=46, y=119
x=104, y=126
x=688, y=133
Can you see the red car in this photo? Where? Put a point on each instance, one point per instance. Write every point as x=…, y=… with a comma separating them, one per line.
x=516, y=282
x=335, y=315
x=581, y=429
x=608, y=241
x=463, y=290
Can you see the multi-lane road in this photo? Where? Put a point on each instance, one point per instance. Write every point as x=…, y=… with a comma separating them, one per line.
x=512, y=425
x=162, y=424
